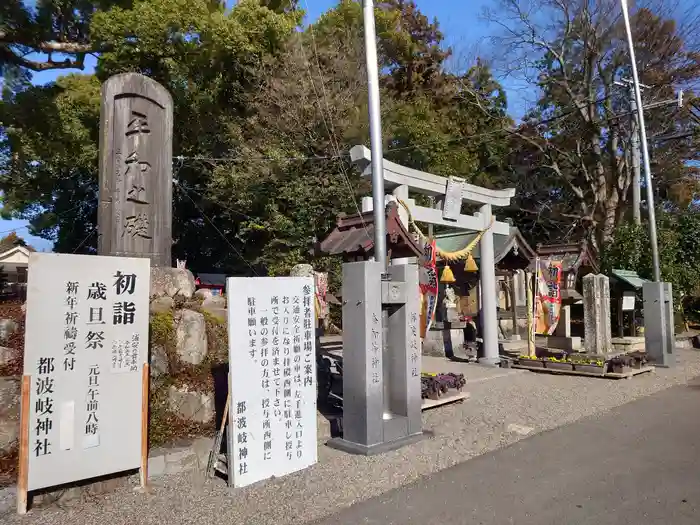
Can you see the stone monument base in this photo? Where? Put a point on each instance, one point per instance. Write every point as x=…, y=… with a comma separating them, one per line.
x=569, y=344
x=445, y=340
x=628, y=344
x=380, y=448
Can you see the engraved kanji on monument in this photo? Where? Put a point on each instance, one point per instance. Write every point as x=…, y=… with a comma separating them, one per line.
x=135, y=193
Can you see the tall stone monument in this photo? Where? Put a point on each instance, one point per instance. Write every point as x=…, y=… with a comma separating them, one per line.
x=135, y=193
x=596, y=314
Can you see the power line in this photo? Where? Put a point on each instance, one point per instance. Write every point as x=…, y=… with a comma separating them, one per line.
x=270, y=158
x=228, y=208
x=240, y=255
x=346, y=154
x=58, y=215
x=84, y=240
x=331, y=129
x=342, y=154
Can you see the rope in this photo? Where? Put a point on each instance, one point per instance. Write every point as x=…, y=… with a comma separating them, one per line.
x=447, y=256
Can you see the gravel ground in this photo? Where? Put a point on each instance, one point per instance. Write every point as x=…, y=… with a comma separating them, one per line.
x=502, y=409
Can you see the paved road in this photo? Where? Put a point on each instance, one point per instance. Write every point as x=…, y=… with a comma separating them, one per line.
x=638, y=464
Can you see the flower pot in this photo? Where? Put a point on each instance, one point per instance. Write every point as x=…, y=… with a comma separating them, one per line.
x=590, y=369
x=531, y=363
x=618, y=369
x=553, y=365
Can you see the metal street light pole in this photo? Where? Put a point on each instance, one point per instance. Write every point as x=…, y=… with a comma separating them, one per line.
x=645, y=149
x=375, y=134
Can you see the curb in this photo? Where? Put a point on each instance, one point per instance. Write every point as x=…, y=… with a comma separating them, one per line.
x=185, y=456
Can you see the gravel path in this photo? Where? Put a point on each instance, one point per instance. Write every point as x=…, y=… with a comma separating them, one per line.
x=502, y=409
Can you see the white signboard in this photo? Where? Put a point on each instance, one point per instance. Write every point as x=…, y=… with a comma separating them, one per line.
x=628, y=300
x=85, y=345
x=272, y=377
x=452, y=205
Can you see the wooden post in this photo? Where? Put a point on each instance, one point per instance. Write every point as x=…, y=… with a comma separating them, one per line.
x=531, y=350
x=144, y=425
x=511, y=289
x=620, y=316
x=23, y=479
x=430, y=226
x=216, y=448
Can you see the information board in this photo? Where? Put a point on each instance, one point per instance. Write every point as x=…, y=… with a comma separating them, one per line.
x=86, y=342
x=272, y=377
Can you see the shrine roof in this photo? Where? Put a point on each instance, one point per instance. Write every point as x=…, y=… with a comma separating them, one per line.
x=211, y=279
x=572, y=255
x=503, y=245
x=629, y=279
x=354, y=236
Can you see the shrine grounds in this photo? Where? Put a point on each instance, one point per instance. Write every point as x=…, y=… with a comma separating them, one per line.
x=504, y=406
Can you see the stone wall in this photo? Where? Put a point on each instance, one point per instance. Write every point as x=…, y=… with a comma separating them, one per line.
x=188, y=345
x=11, y=355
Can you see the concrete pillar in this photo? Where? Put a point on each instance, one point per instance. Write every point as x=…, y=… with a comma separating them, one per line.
x=596, y=314
x=563, y=328
x=401, y=192
x=381, y=374
x=489, y=314
x=367, y=204
x=659, y=337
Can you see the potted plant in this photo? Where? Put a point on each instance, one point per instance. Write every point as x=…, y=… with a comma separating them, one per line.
x=554, y=363
x=530, y=361
x=624, y=363
x=637, y=360
x=590, y=366
x=617, y=367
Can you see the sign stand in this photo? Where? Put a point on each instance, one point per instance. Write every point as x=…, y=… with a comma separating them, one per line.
x=145, y=375
x=216, y=447
x=23, y=446
x=272, y=378
x=84, y=417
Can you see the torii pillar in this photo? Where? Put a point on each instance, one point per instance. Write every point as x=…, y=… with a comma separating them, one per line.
x=453, y=192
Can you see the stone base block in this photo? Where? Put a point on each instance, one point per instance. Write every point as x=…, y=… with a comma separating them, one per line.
x=628, y=344
x=373, y=450
x=569, y=344
x=444, y=343
x=511, y=346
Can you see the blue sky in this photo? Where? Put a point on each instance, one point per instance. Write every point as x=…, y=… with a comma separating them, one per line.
x=459, y=20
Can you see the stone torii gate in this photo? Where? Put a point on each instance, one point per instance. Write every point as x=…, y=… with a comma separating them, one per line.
x=449, y=195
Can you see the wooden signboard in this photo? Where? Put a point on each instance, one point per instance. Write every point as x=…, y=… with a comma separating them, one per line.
x=85, y=369
x=272, y=377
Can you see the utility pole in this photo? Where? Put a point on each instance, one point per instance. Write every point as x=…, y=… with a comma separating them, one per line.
x=375, y=133
x=645, y=148
x=636, y=168
x=381, y=340
x=659, y=337
x=635, y=150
